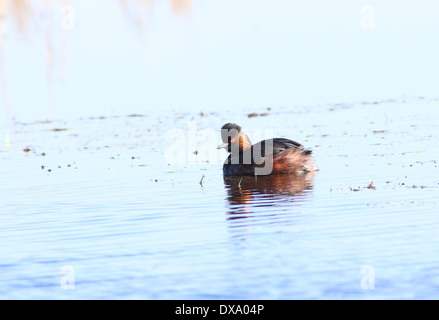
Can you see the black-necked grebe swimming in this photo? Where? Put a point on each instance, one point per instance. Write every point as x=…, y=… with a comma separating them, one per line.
x=272, y=156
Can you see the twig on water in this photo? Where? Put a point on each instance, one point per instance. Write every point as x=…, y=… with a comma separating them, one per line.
x=371, y=186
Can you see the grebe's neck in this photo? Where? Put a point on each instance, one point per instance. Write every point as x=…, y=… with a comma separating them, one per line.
x=244, y=142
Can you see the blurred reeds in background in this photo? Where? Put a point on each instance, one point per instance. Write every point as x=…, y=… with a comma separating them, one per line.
x=49, y=22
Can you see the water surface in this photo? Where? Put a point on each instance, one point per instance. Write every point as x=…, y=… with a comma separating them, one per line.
x=99, y=196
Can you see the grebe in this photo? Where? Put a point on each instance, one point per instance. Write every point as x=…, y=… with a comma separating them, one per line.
x=271, y=156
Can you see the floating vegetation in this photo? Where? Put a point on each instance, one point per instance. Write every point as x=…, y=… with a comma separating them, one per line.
x=254, y=114
x=135, y=115
x=7, y=140
x=369, y=186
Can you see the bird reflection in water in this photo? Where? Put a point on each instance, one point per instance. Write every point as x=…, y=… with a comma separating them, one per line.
x=265, y=198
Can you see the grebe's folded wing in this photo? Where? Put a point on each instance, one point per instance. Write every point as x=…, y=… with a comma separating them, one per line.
x=273, y=146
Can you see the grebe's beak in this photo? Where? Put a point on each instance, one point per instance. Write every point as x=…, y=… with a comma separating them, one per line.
x=222, y=146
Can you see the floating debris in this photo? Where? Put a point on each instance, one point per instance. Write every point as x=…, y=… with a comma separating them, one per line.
x=7, y=141
x=201, y=181
x=254, y=114
x=27, y=149
x=59, y=129
x=135, y=115
x=371, y=186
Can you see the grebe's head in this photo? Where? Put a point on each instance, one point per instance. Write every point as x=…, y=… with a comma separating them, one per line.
x=232, y=135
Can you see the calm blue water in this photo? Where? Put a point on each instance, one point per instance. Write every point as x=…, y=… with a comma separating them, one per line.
x=132, y=226
x=109, y=166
